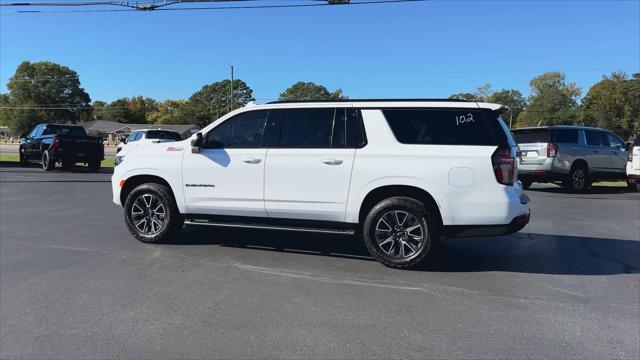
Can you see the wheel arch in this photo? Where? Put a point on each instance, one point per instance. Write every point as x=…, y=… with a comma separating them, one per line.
x=380, y=193
x=580, y=162
x=136, y=180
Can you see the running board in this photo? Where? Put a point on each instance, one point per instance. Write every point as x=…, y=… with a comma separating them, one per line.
x=296, y=225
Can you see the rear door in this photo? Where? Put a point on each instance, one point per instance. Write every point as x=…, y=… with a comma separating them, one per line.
x=309, y=164
x=598, y=150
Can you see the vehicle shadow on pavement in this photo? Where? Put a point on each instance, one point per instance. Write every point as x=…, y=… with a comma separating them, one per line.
x=520, y=252
x=595, y=189
x=33, y=168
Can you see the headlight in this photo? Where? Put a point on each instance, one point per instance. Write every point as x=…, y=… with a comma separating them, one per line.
x=119, y=159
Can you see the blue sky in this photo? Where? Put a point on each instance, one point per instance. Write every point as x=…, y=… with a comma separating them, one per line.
x=430, y=49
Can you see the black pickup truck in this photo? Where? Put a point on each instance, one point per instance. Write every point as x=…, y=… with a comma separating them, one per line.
x=68, y=144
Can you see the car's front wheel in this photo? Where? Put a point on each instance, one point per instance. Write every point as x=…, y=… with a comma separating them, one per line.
x=151, y=213
x=398, y=232
x=23, y=158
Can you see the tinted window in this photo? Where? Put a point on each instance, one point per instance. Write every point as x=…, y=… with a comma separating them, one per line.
x=307, y=128
x=135, y=136
x=530, y=136
x=569, y=136
x=64, y=130
x=356, y=137
x=596, y=138
x=244, y=131
x=34, y=132
x=615, y=141
x=163, y=135
x=439, y=127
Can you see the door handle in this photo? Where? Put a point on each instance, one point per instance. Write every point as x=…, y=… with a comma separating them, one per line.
x=252, y=160
x=332, y=161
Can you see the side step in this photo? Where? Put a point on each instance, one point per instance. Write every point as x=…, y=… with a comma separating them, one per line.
x=279, y=224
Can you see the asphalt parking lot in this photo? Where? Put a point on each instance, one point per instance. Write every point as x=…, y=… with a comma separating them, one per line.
x=75, y=284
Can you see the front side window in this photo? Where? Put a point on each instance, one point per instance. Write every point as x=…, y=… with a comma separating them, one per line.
x=309, y=128
x=439, y=127
x=134, y=137
x=615, y=141
x=243, y=131
x=596, y=138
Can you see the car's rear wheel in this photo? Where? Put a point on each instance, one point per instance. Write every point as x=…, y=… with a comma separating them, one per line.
x=151, y=213
x=398, y=232
x=633, y=186
x=578, y=180
x=47, y=162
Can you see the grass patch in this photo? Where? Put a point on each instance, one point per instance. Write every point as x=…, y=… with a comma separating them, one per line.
x=106, y=163
x=611, y=183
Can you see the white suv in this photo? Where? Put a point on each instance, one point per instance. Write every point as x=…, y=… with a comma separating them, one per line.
x=399, y=172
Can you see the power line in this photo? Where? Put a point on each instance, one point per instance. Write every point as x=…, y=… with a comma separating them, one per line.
x=201, y=8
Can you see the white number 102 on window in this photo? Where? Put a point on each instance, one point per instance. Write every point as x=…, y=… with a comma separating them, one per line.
x=462, y=119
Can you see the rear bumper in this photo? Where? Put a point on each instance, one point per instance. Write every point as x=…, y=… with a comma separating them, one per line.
x=517, y=224
x=76, y=157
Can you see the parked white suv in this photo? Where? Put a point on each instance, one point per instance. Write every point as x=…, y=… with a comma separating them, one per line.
x=633, y=164
x=148, y=136
x=400, y=173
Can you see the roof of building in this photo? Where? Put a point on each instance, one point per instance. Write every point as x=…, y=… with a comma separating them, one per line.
x=108, y=127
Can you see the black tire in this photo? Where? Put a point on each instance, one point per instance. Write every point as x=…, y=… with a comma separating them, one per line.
x=23, y=158
x=633, y=186
x=526, y=184
x=94, y=166
x=578, y=180
x=173, y=220
x=387, y=208
x=47, y=162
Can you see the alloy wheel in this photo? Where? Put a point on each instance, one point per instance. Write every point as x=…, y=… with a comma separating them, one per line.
x=578, y=179
x=148, y=214
x=400, y=234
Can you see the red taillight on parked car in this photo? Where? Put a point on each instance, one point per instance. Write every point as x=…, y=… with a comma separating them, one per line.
x=56, y=144
x=504, y=166
x=552, y=150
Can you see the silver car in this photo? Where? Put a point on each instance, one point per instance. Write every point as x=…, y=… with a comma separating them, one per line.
x=575, y=155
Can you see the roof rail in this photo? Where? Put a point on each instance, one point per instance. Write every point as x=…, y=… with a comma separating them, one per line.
x=364, y=100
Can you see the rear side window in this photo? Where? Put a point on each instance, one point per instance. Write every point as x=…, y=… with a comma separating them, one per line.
x=64, y=130
x=312, y=128
x=531, y=136
x=596, y=138
x=163, y=135
x=568, y=136
x=439, y=127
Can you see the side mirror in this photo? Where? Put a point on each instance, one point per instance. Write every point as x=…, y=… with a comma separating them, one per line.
x=124, y=141
x=627, y=146
x=196, y=144
x=23, y=136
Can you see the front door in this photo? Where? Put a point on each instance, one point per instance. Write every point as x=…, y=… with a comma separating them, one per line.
x=309, y=166
x=227, y=176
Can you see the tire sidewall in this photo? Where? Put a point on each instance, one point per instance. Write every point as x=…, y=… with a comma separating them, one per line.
x=173, y=217
x=587, y=182
x=47, y=164
x=409, y=205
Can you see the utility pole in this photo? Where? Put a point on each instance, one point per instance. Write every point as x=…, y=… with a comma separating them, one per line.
x=231, y=94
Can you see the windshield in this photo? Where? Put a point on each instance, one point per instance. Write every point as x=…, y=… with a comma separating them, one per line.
x=163, y=135
x=529, y=136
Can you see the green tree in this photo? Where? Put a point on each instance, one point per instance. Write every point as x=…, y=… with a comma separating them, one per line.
x=125, y=110
x=213, y=101
x=614, y=103
x=5, y=111
x=512, y=99
x=465, y=96
x=45, y=91
x=552, y=101
x=170, y=112
x=311, y=91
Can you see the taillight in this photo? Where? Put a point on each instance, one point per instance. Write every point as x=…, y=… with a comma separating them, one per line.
x=552, y=150
x=504, y=166
x=56, y=144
